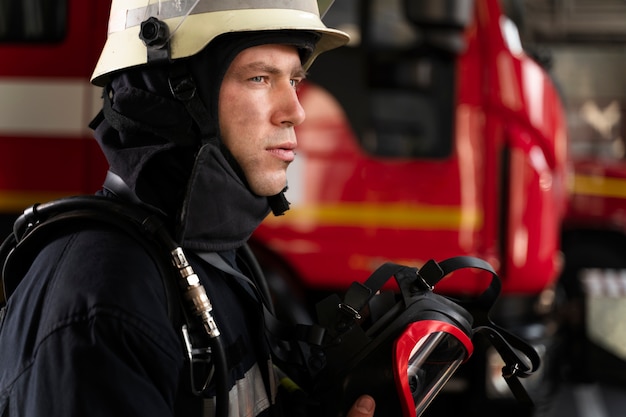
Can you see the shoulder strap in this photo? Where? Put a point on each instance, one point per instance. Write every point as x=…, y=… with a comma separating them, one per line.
x=41, y=222
x=309, y=333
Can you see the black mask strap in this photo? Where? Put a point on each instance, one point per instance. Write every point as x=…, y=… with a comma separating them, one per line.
x=184, y=89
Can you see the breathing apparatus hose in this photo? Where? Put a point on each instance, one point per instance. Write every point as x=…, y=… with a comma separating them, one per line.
x=199, y=305
x=221, y=375
x=41, y=219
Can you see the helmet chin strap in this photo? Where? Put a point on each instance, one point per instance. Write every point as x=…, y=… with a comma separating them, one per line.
x=279, y=203
x=155, y=35
x=183, y=87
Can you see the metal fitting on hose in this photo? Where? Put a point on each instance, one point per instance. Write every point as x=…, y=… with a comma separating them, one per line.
x=194, y=293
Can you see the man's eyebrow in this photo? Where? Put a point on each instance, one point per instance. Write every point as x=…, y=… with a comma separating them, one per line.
x=298, y=71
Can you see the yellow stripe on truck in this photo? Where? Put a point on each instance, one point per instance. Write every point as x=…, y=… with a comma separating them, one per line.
x=16, y=201
x=599, y=186
x=400, y=216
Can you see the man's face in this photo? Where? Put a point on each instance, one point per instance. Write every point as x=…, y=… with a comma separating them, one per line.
x=258, y=110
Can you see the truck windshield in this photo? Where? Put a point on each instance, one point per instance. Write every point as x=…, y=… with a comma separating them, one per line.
x=33, y=21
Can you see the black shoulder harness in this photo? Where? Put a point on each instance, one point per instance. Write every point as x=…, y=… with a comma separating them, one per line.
x=40, y=222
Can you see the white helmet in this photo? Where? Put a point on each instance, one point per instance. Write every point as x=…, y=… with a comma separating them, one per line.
x=192, y=24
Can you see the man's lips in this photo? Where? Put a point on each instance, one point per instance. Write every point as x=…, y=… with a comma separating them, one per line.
x=285, y=152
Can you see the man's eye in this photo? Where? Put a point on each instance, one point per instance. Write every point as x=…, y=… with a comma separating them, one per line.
x=295, y=82
x=257, y=79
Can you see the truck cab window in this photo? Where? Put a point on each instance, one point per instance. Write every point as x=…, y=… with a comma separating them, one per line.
x=591, y=77
x=396, y=85
x=26, y=21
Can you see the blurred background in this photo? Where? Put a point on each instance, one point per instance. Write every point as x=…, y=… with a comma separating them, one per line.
x=486, y=128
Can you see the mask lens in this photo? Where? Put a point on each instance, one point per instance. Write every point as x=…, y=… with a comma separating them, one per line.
x=432, y=365
x=427, y=354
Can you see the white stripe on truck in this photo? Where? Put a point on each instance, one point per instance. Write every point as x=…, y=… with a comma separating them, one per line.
x=47, y=107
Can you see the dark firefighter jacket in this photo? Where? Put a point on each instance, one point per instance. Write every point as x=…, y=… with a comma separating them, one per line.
x=86, y=333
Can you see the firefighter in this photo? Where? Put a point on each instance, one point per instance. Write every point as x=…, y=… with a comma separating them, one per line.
x=197, y=125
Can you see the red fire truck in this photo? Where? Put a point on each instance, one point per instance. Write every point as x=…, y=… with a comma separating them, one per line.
x=441, y=137
x=434, y=134
x=48, y=49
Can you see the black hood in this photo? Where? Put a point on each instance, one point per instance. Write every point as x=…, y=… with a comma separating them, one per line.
x=172, y=159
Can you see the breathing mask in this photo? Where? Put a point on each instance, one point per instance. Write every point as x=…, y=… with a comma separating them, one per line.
x=402, y=346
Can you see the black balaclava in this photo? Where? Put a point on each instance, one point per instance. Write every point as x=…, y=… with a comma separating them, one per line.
x=178, y=164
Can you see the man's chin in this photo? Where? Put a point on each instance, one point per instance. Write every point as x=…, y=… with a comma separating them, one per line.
x=268, y=190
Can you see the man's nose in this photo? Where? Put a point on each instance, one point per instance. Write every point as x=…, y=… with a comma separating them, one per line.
x=288, y=108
